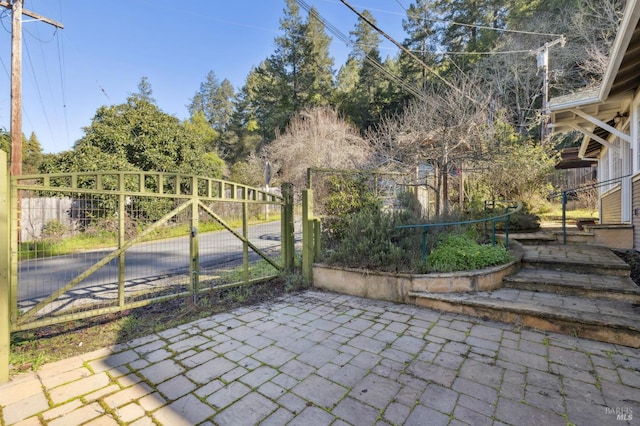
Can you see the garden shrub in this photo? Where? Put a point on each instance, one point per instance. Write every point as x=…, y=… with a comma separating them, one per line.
x=463, y=253
x=347, y=196
x=53, y=231
x=369, y=238
x=363, y=235
x=522, y=220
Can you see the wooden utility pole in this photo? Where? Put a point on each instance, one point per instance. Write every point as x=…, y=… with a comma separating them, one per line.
x=542, y=57
x=16, y=78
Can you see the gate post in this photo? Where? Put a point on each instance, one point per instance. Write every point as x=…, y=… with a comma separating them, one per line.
x=308, y=234
x=5, y=300
x=287, y=231
x=194, y=247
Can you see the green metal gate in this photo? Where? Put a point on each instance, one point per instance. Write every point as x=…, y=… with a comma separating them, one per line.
x=139, y=238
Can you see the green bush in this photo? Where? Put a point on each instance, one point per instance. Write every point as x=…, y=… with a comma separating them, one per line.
x=347, y=196
x=462, y=253
x=369, y=238
x=53, y=231
x=366, y=236
x=522, y=220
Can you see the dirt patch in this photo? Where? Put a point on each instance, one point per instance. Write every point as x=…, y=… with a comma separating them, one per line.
x=30, y=349
x=632, y=258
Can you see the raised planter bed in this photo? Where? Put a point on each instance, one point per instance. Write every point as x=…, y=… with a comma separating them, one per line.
x=395, y=287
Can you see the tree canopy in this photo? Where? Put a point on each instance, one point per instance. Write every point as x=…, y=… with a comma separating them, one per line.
x=137, y=135
x=437, y=101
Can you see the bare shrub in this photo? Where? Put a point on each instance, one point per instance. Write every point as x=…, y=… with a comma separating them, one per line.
x=320, y=138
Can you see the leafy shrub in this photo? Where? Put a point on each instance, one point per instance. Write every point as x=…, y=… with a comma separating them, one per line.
x=53, y=231
x=462, y=253
x=371, y=240
x=347, y=195
x=365, y=235
x=522, y=220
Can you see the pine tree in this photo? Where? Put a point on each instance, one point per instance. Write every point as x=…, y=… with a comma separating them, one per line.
x=471, y=26
x=421, y=27
x=144, y=90
x=360, y=80
x=31, y=154
x=296, y=75
x=215, y=100
x=318, y=64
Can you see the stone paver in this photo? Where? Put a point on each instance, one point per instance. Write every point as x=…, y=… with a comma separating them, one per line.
x=319, y=358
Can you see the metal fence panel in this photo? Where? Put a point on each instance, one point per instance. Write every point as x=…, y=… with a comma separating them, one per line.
x=86, y=244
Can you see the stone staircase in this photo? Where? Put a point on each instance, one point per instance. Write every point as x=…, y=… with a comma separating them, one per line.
x=581, y=290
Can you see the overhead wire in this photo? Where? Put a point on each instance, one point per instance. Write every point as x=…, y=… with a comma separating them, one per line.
x=36, y=36
x=414, y=57
x=62, y=67
x=37, y=84
x=47, y=74
x=342, y=37
x=3, y=14
x=450, y=22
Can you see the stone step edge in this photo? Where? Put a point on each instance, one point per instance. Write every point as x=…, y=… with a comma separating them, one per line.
x=569, y=281
x=539, y=310
x=560, y=261
x=577, y=267
x=600, y=331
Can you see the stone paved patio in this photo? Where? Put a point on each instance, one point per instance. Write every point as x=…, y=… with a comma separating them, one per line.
x=321, y=358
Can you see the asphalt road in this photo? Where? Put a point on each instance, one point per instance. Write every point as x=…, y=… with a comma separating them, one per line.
x=41, y=277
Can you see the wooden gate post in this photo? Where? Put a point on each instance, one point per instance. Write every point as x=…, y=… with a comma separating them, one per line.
x=287, y=228
x=308, y=234
x=5, y=282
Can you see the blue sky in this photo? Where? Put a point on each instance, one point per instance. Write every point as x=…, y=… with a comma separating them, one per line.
x=106, y=47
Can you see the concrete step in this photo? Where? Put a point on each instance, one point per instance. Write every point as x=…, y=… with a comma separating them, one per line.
x=609, y=287
x=554, y=236
x=575, y=258
x=611, y=321
x=534, y=238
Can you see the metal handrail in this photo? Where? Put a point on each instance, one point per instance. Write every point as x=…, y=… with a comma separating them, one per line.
x=500, y=218
x=564, y=198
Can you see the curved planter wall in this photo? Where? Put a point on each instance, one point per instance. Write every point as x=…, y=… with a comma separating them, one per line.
x=396, y=287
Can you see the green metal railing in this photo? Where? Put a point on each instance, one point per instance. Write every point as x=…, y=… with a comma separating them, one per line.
x=509, y=210
x=565, y=194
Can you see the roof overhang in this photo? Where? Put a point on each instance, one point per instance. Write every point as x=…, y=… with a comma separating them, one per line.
x=594, y=118
x=569, y=159
x=596, y=113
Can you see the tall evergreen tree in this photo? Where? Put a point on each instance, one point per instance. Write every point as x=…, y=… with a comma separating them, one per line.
x=471, y=26
x=144, y=90
x=287, y=62
x=215, y=101
x=296, y=75
x=318, y=64
x=359, y=80
x=421, y=27
x=31, y=151
x=31, y=154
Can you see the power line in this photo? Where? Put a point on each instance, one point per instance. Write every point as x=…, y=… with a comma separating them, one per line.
x=445, y=21
x=62, y=85
x=341, y=36
x=414, y=57
x=35, y=80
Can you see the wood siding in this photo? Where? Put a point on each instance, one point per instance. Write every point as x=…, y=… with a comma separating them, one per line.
x=635, y=211
x=612, y=206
